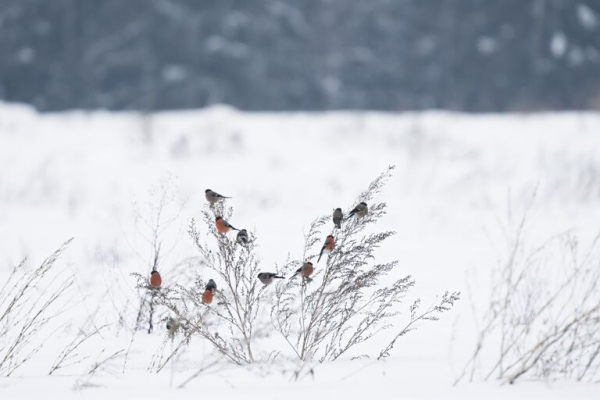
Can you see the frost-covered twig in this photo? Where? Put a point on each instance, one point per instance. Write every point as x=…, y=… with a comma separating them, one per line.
x=98, y=365
x=347, y=303
x=543, y=319
x=445, y=304
x=156, y=222
x=68, y=353
x=229, y=324
x=28, y=303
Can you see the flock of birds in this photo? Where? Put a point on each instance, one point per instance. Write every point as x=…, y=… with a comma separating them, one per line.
x=267, y=278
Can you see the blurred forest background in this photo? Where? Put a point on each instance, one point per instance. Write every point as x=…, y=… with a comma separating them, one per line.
x=468, y=55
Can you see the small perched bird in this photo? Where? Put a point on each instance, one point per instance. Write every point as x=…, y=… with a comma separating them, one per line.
x=209, y=290
x=360, y=210
x=213, y=197
x=268, y=277
x=305, y=270
x=337, y=218
x=242, y=237
x=223, y=226
x=155, y=279
x=327, y=247
x=172, y=326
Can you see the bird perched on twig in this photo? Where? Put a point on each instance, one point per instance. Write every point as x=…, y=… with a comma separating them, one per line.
x=209, y=290
x=305, y=270
x=155, y=279
x=337, y=218
x=223, y=226
x=327, y=247
x=360, y=210
x=213, y=197
x=267, y=277
x=173, y=325
x=242, y=237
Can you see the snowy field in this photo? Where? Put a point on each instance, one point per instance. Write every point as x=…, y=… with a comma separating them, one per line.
x=459, y=189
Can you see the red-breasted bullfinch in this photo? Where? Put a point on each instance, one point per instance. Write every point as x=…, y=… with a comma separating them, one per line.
x=155, y=279
x=213, y=197
x=223, y=226
x=327, y=247
x=209, y=290
x=337, y=218
x=360, y=210
x=268, y=277
x=305, y=270
x=242, y=237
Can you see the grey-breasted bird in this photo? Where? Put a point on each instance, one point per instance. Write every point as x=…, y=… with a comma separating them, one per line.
x=213, y=197
x=268, y=277
x=338, y=215
x=242, y=237
x=173, y=325
x=360, y=210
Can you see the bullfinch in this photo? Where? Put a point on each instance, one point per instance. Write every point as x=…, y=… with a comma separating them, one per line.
x=213, y=197
x=209, y=290
x=327, y=247
x=223, y=226
x=242, y=237
x=360, y=210
x=337, y=218
x=305, y=270
x=268, y=277
x=155, y=279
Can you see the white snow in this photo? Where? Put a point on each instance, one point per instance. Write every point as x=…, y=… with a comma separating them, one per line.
x=459, y=180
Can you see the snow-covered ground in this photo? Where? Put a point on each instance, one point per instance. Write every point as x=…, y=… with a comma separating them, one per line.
x=460, y=184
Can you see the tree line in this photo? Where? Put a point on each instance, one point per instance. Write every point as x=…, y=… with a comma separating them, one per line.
x=468, y=55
